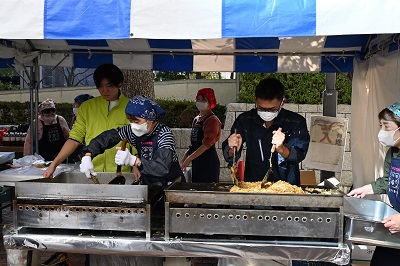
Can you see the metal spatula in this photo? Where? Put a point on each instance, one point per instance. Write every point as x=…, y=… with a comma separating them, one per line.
x=119, y=179
x=234, y=166
x=269, y=172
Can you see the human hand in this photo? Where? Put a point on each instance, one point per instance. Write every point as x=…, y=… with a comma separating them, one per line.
x=278, y=138
x=235, y=140
x=136, y=173
x=125, y=158
x=49, y=171
x=184, y=164
x=87, y=167
x=392, y=223
x=361, y=192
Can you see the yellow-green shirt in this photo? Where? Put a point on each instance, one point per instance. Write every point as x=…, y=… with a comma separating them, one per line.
x=94, y=118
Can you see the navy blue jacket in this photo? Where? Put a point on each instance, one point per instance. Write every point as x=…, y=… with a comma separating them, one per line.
x=258, y=142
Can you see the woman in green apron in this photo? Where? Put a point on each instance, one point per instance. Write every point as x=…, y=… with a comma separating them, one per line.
x=389, y=135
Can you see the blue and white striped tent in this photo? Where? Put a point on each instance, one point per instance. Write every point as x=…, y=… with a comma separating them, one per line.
x=204, y=35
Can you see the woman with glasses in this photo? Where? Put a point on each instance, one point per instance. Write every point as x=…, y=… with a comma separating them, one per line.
x=206, y=131
x=53, y=131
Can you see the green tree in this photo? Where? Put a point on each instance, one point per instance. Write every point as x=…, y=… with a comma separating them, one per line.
x=301, y=88
x=6, y=76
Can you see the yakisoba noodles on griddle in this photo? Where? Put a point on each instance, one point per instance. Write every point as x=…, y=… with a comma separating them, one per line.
x=277, y=187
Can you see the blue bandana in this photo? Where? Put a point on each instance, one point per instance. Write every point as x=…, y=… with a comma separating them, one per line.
x=395, y=108
x=144, y=107
x=82, y=98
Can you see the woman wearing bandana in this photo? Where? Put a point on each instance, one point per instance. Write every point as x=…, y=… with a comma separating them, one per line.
x=206, y=131
x=156, y=161
x=389, y=135
x=53, y=131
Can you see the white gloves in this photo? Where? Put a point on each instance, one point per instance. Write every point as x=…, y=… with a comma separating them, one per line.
x=87, y=167
x=126, y=158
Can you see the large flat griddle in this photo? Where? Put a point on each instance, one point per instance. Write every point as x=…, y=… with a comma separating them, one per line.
x=212, y=211
x=216, y=193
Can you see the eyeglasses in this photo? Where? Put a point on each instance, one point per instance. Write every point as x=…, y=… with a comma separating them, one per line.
x=271, y=110
x=48, y=111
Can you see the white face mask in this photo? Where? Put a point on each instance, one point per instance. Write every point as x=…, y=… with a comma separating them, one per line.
x=48, y=119
x=202, y=106
x=75, y=110
x=267, y=116
x=139, y=130
x=386, y=137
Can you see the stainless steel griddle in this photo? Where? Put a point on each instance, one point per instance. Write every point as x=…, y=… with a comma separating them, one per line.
x=211, y=211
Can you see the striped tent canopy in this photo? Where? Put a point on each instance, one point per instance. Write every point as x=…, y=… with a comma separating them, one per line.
x=204, y=35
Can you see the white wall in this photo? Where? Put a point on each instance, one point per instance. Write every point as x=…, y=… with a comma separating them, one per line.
x=225, y=91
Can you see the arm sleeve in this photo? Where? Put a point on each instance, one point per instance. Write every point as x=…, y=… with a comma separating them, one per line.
x=225, y=147
x=64, y=126
x=380, y=186
x=27, y=143
x=102, y=142
x=212, y=131
x=298, y=142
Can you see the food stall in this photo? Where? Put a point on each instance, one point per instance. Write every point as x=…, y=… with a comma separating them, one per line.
x=325, y=34
x=197, y=220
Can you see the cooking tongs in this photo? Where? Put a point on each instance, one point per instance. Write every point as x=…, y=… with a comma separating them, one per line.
x=269, y=172
x=234, y=166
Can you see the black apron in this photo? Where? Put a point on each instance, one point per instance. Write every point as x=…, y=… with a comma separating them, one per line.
x=52, y=141
x=205, y=168
x=146, y=146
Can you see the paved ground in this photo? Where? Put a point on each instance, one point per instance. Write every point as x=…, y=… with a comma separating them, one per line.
x=75, y=259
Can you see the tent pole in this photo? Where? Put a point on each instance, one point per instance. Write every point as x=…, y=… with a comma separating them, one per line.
x=237, y=86
x=36, y=78
x=329, y=108
x=32, y=130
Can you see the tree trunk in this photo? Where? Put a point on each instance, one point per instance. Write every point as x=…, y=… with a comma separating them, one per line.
x=138, y=82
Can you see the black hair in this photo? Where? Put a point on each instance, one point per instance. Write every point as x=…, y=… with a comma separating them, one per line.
x=269, y=89
x=388, y=115
x=110, y=72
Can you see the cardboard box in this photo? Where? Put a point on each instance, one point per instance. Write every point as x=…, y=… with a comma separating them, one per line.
x=308, y=178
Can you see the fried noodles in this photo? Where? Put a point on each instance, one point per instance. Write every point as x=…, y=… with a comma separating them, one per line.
x=269, y=187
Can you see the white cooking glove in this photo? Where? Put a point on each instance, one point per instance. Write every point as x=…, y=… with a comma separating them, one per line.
x=125, y=158
x=87, y=167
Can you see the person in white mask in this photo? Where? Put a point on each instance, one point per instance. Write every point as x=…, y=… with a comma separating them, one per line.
x=206, y=131
x=81, y=98
x=53, y=131
x=389, y=136
x=156, y=161
x=258, y=128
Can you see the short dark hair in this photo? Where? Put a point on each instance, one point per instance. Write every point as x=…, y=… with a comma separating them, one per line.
x=110, y=72
x=388, y=115
x=269, y=89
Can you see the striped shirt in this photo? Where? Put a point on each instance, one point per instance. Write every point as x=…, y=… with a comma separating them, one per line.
x=165, y=137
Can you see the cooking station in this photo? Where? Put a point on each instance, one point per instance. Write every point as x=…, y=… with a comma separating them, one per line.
x=211, y=211
x=70, y=201
x=201, y=220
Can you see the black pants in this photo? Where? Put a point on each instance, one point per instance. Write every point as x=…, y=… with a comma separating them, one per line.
x=385, y=257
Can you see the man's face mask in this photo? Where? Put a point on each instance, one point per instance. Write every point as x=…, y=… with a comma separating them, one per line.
x=268, y=114
x=139, y=130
